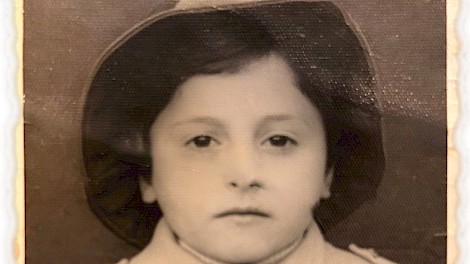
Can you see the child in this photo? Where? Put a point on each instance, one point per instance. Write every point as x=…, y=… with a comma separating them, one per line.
x=234, y=134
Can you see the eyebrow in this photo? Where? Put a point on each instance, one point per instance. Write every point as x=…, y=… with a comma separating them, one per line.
x=206, y=120
x=276, y=118
x=281, y=118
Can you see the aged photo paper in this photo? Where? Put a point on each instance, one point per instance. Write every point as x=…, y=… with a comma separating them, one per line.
x=11, y=137
x=378, y=88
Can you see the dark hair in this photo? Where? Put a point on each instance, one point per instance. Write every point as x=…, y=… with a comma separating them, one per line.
x=219, y=44
x=159, y=58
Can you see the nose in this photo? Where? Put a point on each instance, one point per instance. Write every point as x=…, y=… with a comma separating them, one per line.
x=243, y=172
x=243, y=186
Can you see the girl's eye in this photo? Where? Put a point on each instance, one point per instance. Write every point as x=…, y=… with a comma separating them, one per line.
x=281, y=141
x=201, y=141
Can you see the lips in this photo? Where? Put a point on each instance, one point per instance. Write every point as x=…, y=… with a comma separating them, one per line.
x=243, y=212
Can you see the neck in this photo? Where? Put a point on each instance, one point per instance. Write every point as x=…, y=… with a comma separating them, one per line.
x=165, y=248
x=276, y=258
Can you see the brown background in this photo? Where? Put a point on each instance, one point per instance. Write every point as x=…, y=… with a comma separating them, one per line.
x=63, y=41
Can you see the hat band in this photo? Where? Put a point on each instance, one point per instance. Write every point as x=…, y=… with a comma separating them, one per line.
x=192, y=4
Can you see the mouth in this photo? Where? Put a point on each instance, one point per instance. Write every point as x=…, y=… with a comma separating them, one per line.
x=243, y=212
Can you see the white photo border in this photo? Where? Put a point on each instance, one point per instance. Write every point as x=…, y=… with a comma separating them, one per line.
x=11, y=162
x=461, y=137
x=11, y=140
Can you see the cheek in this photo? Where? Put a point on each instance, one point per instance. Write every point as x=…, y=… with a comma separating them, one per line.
x=180, y=181
x=301, y=176
x=183, y=173
x=177, y=194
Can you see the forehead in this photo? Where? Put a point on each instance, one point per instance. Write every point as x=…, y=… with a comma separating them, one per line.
x=264, y=86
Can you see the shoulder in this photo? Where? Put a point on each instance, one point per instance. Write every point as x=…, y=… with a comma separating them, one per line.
x=335, y=255
x=123, y=261
x=356, y=255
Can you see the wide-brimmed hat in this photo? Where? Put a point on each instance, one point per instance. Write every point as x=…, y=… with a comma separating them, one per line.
x=315, y=37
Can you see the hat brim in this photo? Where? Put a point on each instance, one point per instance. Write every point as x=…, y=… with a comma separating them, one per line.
x=313, y=35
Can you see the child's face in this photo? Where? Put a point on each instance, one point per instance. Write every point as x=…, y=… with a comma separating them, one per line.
x=239, y=162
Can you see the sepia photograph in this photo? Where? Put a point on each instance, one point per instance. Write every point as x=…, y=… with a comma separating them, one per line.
x=235, y=131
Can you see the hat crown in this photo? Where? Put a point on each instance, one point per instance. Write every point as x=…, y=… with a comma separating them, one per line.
x=312, y=35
